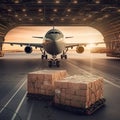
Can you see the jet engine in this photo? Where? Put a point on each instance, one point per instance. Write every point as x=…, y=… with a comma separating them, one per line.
x=28, y=49
x=80, y=49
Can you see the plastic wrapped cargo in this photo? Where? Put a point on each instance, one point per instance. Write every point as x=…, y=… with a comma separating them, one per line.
x=78, y=91
x=42, y=82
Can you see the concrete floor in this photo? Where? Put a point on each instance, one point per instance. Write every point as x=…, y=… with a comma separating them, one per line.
x=14, y=104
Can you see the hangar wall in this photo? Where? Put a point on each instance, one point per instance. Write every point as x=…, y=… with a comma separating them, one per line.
x=104, y=15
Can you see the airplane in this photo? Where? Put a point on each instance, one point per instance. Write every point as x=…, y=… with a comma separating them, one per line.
x=53, y=44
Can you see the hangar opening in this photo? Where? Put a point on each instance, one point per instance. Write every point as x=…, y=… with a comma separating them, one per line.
x=78, y=34
x=100, y=14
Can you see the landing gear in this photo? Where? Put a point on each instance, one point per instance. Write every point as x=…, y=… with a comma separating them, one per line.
x=53, y=62
x=43, y=56
x=64, y=56
x=50, y=63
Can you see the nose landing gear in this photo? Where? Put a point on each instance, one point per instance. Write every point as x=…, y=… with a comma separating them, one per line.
x=53, y=62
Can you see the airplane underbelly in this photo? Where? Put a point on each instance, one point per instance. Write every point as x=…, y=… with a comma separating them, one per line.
x=54, y=48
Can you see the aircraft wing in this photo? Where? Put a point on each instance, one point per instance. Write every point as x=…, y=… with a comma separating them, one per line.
x=71, y=45
x=24, y=44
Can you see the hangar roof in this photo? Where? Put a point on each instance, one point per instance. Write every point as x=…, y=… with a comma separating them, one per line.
x=103, y=15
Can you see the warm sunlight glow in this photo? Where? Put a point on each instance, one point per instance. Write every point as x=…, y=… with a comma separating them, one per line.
x=25, y=33
x=90, y=46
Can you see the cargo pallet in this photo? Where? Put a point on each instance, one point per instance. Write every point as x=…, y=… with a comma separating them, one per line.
x=84, y=111
x=39, y=97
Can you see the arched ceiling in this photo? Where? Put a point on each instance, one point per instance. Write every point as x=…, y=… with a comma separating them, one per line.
x=103, y=15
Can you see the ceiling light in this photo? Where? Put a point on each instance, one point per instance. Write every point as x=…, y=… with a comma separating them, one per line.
x=97, y=1
x=16, y=1
x=16, y=15
x=30, y=19
x=118, y=10
x=39, y=1
x=57, y=1
x=20, y=19
x=99, y=19
x=69, y=10
x=62, y=19
x=9, y=10
x=23, y=9
x=25, y=15
x=40, y=10
x=73, y=19
x=55, y=10
x=75, y=1
x=106, y=16
x=84, y=19
x=41, y=19
x=52, y=19
x=89, y=15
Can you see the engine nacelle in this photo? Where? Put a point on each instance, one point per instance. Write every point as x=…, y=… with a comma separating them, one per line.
x=80, y=49
x=28, y=49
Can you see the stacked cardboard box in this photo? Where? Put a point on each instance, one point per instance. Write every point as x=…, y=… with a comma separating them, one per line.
x=42, y=82
x=78, y=91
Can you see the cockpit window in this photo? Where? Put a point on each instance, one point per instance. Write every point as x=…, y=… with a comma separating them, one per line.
x=54, y=33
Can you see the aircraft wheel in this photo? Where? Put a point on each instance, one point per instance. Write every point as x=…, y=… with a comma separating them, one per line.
x=58, y=63
x=46, y=57
x=61, y=56
x=42, y=57
x=50, y=64
x=65, y=56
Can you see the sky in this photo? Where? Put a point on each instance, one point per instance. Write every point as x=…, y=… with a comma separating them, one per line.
x=25, y=33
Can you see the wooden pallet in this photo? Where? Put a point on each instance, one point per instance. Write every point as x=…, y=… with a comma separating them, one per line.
x=39, y=97
x=85, y=111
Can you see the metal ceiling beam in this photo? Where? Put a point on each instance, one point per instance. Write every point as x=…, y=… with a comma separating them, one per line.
x=100, y=14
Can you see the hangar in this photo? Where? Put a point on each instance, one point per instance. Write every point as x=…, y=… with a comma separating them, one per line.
x=103, y=15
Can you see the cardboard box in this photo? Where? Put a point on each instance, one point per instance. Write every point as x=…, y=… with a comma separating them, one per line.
x=42, y=82
x=79, y=91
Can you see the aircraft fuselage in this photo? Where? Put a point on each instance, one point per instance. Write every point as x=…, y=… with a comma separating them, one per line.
x=53, y=42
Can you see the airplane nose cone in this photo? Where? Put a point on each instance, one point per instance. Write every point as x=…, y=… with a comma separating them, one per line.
x=54, y=37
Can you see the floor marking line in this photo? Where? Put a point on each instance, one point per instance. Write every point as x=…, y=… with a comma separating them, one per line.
x=111, y=83
x=12, y=97
x=19, y=106
x=30, y=112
